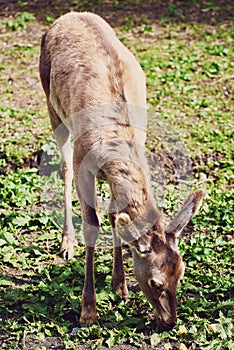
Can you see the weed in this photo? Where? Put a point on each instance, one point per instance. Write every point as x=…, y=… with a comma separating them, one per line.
x=189, y=82
x=19, y=22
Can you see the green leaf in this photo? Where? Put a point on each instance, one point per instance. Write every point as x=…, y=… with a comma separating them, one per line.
x=10, y=238
x=2, y=242
x=155, y=339
x=112, y=339
x=167, y=346
x=22, y=220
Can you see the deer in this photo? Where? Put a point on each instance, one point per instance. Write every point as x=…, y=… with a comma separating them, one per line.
x=96, y=94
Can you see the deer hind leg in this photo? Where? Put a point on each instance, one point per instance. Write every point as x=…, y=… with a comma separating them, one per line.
x=85, y=186
x=68, y=239
x=118, y=275
x=63, y=139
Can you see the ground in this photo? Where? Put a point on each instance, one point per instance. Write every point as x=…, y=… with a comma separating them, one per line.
x=186, y=50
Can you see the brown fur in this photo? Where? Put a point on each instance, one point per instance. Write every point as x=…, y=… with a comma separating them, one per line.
x=95, y=90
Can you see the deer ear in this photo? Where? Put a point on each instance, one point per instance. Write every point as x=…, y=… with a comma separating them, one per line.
x=128, y=232
x=122, y=219
x=124, y=227
x=190, y=208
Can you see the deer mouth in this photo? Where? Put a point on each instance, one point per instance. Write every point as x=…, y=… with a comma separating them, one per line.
x=162, y=327
x=165, y=321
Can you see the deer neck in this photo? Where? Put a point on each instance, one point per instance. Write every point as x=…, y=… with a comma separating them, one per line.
x=129, y=186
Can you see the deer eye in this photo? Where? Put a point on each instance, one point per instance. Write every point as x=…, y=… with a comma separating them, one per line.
x=157, y=285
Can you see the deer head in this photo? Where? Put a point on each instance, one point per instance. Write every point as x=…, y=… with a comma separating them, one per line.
x=157, y=264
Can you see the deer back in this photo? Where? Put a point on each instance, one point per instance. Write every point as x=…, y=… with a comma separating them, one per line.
x=84, y=67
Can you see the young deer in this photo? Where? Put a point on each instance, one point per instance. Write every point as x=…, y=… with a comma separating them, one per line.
x=95, y=90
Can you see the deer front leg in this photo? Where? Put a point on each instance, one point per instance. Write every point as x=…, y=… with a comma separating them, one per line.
x=85, y=186
x=91, y=229
x=118, y=275
x=88, y=306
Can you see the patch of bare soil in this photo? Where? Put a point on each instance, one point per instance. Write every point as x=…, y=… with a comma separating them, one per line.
x=22, y=80
x=53, y=343
x=119, y=11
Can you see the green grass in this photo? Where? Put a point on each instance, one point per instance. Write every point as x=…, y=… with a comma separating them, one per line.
x=19, y=22
x=190, y=74
x=20, y=140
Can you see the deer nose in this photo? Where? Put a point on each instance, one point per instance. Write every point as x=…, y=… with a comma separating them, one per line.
x=166, y=326
x=169, y=326
x=170, y=322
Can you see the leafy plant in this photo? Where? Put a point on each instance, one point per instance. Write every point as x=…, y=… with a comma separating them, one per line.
x=189, y=73
x=19, y=22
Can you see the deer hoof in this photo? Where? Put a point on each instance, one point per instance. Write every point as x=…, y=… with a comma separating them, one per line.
x=122, y=289
x=67, y=248
x=87, y=318
x=124, y=293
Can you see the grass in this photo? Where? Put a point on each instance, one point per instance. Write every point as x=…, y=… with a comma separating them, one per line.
x=190, y=73
x=20, y=21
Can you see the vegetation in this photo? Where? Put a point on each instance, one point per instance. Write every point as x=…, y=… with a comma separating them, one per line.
x=190, y=72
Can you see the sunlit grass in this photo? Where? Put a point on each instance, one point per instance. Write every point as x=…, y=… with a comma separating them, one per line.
x=189, y=72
